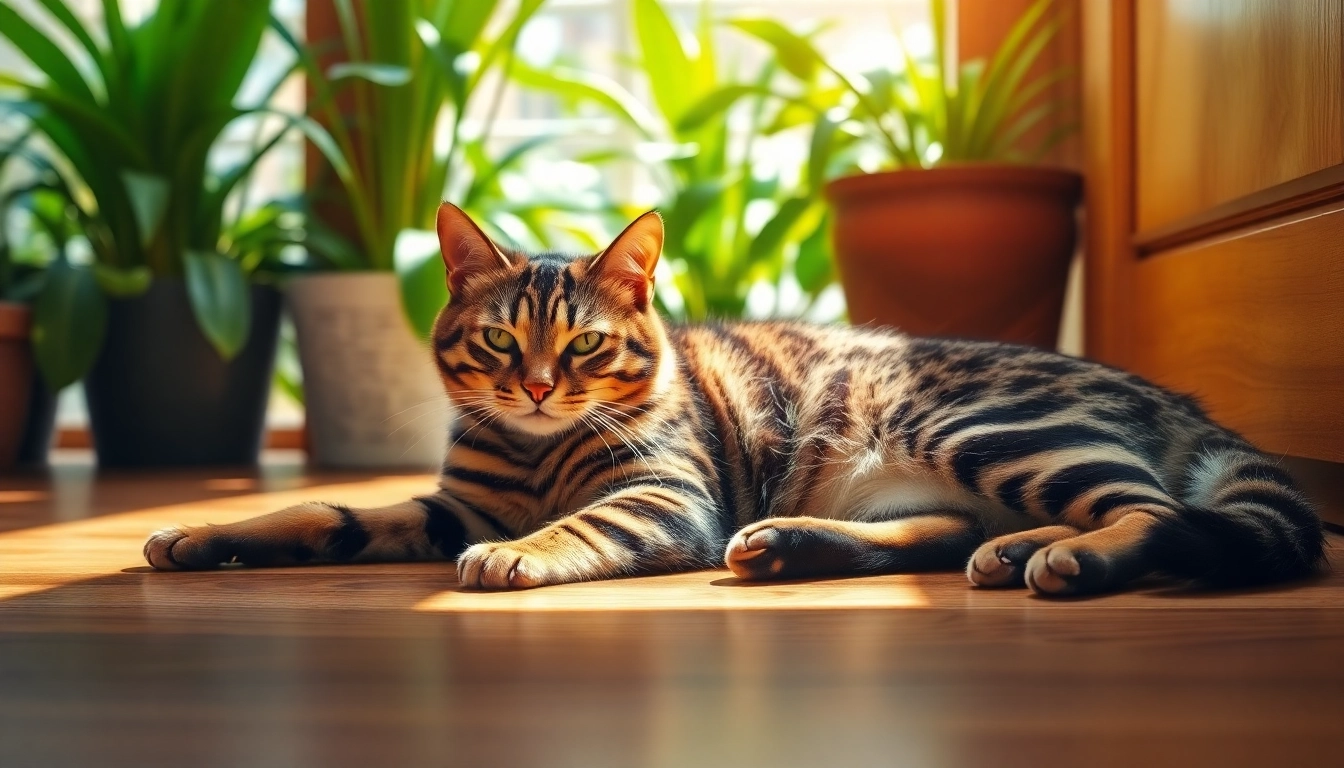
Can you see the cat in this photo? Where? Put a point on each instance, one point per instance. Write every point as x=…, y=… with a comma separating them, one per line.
x=595, y=441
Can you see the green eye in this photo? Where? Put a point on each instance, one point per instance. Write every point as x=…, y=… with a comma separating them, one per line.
x=585, y=343
x=500, y=339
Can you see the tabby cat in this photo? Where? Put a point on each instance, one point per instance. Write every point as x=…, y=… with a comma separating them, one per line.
x=595, y=442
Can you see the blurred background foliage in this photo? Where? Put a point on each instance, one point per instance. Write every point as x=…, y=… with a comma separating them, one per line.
x=213, y=140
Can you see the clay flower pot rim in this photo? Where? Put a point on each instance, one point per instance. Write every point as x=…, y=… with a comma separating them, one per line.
x=14, y=320
x=1042, y=178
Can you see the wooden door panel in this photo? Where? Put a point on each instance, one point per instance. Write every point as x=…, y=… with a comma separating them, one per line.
x=1232, y=97
x=1253, y=324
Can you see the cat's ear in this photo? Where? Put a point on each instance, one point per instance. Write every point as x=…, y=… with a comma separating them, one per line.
x=467, y=252
x=631, y=257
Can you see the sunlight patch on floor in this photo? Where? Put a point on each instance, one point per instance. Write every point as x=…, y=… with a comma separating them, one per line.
x=699, y=591
x=50, y=556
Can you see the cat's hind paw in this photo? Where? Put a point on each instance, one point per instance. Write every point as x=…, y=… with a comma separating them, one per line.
x=755, y=553
x=1061, y=570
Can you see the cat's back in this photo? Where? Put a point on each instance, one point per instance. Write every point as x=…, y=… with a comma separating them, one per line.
x=790, y=354
x=847, y=379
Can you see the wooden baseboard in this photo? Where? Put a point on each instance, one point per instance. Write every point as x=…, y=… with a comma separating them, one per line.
x=277, y=438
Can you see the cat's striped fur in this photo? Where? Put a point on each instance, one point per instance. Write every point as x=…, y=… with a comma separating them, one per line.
x=799, y=450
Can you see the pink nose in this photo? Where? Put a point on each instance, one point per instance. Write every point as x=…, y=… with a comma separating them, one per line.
x=538, y=389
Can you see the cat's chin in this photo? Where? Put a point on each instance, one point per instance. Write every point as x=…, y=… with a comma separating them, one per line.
x=539, y=424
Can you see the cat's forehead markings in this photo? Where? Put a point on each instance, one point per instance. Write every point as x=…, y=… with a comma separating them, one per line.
x=545, y=278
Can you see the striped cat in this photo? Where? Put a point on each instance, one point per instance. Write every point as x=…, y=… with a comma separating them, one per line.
x=597, y=442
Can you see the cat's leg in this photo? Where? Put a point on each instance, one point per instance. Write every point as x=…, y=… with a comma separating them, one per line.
x=424, y=528
x=1002, y=561
x=1102, y=560
x=796, y=547
x=639, y=529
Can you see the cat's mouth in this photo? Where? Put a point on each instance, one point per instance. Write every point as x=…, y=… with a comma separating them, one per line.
x=539, y=422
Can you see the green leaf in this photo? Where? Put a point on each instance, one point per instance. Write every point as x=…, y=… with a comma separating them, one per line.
x=795, y=53
x=69, y=320
x=45, y=54
x=443, y=55
x=691, y=203
x=665, y=60
x=1005, y=71
x=466, y=21
x=63, y=14
x=424, y=282
x=813, y=267
x=148, y=196
x=219, y=299
x=776, y=231
x=819, y=152
x=581, y=86
x=715, y=103
x=491, y=171
x=122, y=282
x=389, y=75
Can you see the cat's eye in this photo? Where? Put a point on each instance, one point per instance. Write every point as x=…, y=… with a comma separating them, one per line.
x=500, y=339
x=586, y=343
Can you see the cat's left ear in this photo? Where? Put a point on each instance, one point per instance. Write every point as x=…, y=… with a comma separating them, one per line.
x=632, y=256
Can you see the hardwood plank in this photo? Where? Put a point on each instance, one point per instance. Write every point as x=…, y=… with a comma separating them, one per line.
x=1253, y=324
x=105, y=663
x=1234, y=96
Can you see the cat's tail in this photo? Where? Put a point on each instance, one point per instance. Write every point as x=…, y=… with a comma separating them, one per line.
x=1245, y=521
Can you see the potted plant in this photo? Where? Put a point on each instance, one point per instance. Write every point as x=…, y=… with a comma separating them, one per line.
x=965, y=236
x=176, y=337
x=408, y=69
x=37, y=224
x=734, y=224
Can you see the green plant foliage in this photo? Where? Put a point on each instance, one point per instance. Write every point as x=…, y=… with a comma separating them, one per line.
x=729, y=225
x=219, y=299
x=68, y=309
x=921, y=114
x=133, y=112
x=69, y=320
x=412, y=67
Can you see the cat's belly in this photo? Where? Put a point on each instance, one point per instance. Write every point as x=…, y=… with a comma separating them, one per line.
x=880, y=489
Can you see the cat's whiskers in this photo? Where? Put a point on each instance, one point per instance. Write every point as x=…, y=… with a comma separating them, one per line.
x=621, y=431
x=426, y=401
x=584, y=420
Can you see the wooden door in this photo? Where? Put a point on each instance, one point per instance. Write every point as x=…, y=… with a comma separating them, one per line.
x=1214, y=154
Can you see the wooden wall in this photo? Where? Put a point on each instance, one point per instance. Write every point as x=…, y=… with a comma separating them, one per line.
x=1214, y=154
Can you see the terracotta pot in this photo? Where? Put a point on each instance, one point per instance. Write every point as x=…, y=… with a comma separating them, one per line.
x=372, y=395
x=976, y=251
x=16, y=377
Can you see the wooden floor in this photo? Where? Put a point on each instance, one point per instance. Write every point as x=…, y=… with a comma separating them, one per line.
x=103, y=662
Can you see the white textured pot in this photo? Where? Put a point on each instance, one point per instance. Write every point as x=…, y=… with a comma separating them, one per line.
x=372, y=395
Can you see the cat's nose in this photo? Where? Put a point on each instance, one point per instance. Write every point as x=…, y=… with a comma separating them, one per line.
x=538, y=390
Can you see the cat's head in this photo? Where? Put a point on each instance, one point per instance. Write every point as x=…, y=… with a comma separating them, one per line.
x=541, y=343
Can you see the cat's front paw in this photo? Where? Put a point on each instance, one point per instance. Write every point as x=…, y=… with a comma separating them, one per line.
x=187, y=549
x=501, y=565
x=159, y=549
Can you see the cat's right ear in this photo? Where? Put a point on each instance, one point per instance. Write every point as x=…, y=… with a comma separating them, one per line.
x=467, y=252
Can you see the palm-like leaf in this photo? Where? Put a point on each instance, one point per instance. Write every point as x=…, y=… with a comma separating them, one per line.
x=135, y=119
x=919, y=115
